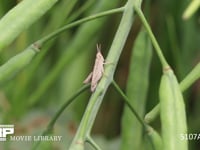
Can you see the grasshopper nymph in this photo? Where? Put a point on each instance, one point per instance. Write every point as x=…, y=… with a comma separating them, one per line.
x=98, y=70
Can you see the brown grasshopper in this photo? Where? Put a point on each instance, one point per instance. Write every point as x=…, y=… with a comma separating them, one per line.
x=98, y=70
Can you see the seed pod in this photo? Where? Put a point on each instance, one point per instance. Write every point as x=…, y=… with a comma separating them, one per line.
x=173, y=116
x=137, y=87
x=21, y=17
x=16, y=63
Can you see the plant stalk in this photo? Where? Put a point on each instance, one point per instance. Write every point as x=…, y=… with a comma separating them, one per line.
x=152, y=37
x=97, y=97
x=51, y=124
x=75, y=23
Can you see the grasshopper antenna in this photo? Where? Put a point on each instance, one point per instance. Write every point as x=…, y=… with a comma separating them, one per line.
x=98, y=47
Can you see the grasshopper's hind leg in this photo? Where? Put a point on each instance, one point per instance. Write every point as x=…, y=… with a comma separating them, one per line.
x=88, y=79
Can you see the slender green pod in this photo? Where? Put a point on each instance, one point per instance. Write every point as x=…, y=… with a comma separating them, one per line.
x=16, y=63
x=137, y=85
x=57, y=19
x=21, y=17
x=172, y=111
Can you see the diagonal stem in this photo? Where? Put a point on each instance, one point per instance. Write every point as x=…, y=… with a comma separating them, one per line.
x=125, y=98
x=152, y=37
x=97, y=97
x=59, y=112
x=75, y=23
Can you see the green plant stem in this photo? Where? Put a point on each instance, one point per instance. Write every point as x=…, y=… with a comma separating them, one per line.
x=92, y=17
x=97, y=97
x=193, y=76
x=60, y=111
x=152, y=37
x=92, y=143
x=174, y=47
x=65, y=105
x=125, y=98
x=151, y=115
x=154, y=139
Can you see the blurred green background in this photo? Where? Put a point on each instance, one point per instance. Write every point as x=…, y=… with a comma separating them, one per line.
x=30, y=99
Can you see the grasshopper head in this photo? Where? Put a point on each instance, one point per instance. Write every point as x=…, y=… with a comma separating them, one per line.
x=98, y=48
x=99, y=56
